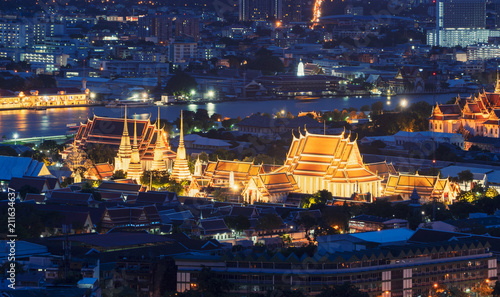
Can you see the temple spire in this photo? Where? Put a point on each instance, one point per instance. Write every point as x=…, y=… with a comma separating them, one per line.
x=497, y=86
x=122, y=159
x=135, y=134
x=135, y=168
x=158, y=162
x=181, y=169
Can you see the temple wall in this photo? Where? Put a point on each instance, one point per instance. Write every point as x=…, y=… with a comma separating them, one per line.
x=313, y=184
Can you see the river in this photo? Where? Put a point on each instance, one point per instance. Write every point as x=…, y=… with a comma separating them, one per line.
x=31, y=123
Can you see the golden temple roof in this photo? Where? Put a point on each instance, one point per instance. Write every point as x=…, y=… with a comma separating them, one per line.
x=334, y=157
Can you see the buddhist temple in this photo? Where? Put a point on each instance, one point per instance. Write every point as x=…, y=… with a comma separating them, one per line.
x=330, y=162
x=111, y=131
x=270, y=187
x=429, y=188
x=181, y=167
x=230, y=174
x=382, y=169
x=478, y=114
x=103, y=171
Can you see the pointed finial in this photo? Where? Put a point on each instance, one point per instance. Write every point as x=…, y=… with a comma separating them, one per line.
x=125, y=126
x=181, y=138
x=158, y=118
x=135, y=131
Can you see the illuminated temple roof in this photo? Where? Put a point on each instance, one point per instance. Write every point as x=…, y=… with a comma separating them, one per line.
x=382, y=169
x=108, y=131
x=275, y=183
x=334, y=157
x=428, y=187
x=480, y=106
x=221, y=170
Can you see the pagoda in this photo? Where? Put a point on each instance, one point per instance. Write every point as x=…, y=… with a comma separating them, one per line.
x=181, y=167
x=135, y=168
x=158, y=162
x=122, y=159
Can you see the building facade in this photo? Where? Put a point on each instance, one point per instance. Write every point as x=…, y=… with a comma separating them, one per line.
x=477, y=115
x=330, y=162
x=406, y=271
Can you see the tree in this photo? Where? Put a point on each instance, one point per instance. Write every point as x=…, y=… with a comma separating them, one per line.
x=496, y=290
x=212, y=286
x=181, y=84
x=158, y=179
x=99, y=153
x=319, y=199
x=377, y=107
x=27, y=189
x=365, y=108
x=307, y=221
x=345, y=290
x=238, y=223
x=119, y=174
x=269, y=222
x=484, y=289
x=466, y=176
x=491, y=192
x=266, y=62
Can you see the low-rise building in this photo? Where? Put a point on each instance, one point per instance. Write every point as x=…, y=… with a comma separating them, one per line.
x=366, y=223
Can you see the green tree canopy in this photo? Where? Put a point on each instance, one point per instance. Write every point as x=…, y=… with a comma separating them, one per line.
x=269, y=222
x=181, y=84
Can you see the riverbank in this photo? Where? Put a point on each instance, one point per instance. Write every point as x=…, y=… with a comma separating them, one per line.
x=31, y=123
x=42, y=108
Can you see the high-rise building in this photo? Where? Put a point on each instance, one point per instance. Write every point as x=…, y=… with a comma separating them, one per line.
x=16, y=34
x=292, y=11
x=496, y=5
x=467, y=14
x=188, y=27
x=459, y=22
x=160, y=27
x=260, y=10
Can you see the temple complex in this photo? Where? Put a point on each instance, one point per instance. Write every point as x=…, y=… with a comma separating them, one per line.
x=114, y=132
x=478, y=114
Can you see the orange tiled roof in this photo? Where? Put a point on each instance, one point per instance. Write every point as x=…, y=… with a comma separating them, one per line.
x=428, y=187
x=334, y=157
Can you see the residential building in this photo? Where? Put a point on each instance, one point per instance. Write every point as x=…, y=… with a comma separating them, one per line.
x=156, y=28
x=188, y=27
x=182, y=51
x=403, y=270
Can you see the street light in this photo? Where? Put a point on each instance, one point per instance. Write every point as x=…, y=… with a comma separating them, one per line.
x=193, y=92
x=15, y=138
x=404, y=103
x=210, y=94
